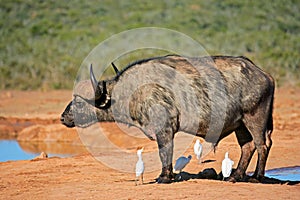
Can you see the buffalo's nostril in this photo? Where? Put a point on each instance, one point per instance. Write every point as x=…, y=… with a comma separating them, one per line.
x=62, y=119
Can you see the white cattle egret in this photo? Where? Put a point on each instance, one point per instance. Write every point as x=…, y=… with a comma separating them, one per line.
x=181, y=162
x=198, y=150
x=226, y=166
x=139, y=167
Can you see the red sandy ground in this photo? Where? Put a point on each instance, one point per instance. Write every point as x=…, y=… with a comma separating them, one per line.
x=83, y=177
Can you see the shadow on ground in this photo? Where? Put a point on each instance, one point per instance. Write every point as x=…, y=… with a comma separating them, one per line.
x=211, y=174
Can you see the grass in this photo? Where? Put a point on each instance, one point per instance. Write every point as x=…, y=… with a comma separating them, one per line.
x=43, y=43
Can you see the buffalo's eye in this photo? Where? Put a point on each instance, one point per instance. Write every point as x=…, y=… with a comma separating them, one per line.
x=79, y=105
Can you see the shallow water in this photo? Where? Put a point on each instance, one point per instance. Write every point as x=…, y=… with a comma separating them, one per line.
x=285, y=173
x=11, y=150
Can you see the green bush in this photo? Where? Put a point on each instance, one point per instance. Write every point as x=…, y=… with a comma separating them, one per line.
x=44, y=42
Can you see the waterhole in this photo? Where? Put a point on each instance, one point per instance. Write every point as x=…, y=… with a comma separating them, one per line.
x=12, y=150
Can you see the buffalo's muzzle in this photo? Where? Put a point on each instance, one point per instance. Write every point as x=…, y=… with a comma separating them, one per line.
x=69, y=124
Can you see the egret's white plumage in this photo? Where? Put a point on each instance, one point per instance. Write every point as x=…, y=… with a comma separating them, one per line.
x=139, y=167
x=181, y=162
x=198, y=150
x=227, y=166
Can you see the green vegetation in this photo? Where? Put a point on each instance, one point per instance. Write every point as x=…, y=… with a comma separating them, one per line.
x=43, y=43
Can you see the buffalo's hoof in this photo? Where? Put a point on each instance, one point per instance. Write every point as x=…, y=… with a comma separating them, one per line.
x=163, y=179
x=231, y=179
x=236, y=177
x=256, y=179
x=253, y=180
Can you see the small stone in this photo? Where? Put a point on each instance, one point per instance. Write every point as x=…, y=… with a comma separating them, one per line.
x=43, y=155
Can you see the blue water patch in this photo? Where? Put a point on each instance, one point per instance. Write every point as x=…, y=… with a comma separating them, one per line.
x=285, y=173
x=10, y=150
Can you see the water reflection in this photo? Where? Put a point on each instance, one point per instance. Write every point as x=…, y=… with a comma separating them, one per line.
x=13, y=150
x=285, y=173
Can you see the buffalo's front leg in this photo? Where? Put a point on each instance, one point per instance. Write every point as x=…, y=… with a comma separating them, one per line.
x=165, y=146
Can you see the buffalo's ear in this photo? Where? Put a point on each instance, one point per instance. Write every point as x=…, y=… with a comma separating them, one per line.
x=102, y=99
x=100, y=90
x=103, y=102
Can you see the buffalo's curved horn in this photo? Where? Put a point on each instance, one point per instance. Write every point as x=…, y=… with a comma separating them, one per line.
x=93, y=79
x=115, y=68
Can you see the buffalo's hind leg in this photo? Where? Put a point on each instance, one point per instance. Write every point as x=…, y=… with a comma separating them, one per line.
x=263, y=145
x=247, y=149
x=260, y=125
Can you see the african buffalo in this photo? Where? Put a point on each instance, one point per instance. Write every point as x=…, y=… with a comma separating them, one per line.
x=209, y=97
